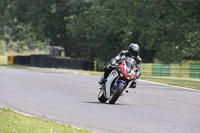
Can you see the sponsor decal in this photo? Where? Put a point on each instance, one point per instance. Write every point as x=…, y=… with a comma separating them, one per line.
x=113, y=73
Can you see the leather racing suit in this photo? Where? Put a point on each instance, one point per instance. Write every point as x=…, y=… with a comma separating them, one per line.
x=122, y=55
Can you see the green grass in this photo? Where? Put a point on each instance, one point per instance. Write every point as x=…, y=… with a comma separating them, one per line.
x=12, y=122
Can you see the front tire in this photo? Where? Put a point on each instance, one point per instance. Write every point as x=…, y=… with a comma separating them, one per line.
x=117, y=93
x=101, y=96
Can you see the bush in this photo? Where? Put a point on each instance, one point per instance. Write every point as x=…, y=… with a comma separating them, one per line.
x=21, y=47
x=2, y=48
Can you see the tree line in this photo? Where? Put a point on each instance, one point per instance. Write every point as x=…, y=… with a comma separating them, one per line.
x=166, y=30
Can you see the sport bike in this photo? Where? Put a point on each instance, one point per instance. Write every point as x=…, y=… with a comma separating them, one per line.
x=118, y=80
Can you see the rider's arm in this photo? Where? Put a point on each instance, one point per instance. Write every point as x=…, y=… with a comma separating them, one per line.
x=139, y=62
x=117, y=58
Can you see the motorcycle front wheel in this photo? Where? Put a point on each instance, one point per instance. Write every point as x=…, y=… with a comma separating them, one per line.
x=101, y=96
x=117, y=93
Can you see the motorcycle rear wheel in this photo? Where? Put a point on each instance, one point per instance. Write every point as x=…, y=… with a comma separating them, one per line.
x=101, y=96
x=117, y=93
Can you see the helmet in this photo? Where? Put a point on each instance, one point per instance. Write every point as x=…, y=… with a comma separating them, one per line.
x=133, y=49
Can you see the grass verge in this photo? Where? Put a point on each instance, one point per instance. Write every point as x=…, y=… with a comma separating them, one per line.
x=12, y=122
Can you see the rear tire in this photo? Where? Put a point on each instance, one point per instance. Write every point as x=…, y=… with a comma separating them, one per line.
x=117, y=93
x=101, y=96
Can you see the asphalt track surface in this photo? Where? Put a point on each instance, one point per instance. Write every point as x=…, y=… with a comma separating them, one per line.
x=71, y=98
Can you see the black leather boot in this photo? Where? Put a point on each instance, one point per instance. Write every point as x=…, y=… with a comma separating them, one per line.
x=102, y=80
x=133, y=84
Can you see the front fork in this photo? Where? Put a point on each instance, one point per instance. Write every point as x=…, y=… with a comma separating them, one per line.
x=117, y=82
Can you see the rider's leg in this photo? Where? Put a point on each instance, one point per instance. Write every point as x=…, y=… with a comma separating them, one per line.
x=102, y=80
x=106, y=72
x=133, y=84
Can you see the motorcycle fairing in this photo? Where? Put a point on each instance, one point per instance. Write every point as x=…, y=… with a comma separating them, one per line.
x=112, y=76
x=127, y=71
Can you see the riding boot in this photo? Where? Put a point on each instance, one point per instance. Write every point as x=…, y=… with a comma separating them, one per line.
x=133, y=84
x=102, y=80
x=106, y=72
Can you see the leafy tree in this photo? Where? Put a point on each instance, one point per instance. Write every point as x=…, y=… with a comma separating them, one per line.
x=2, y=48
x=167, y=31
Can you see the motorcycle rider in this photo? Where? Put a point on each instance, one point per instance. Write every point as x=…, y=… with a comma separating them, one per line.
x=133, y=52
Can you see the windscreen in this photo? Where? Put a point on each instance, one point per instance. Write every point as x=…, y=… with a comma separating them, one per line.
x=130, y=62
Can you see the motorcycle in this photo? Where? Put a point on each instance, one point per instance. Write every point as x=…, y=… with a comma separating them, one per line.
x=117, y=81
